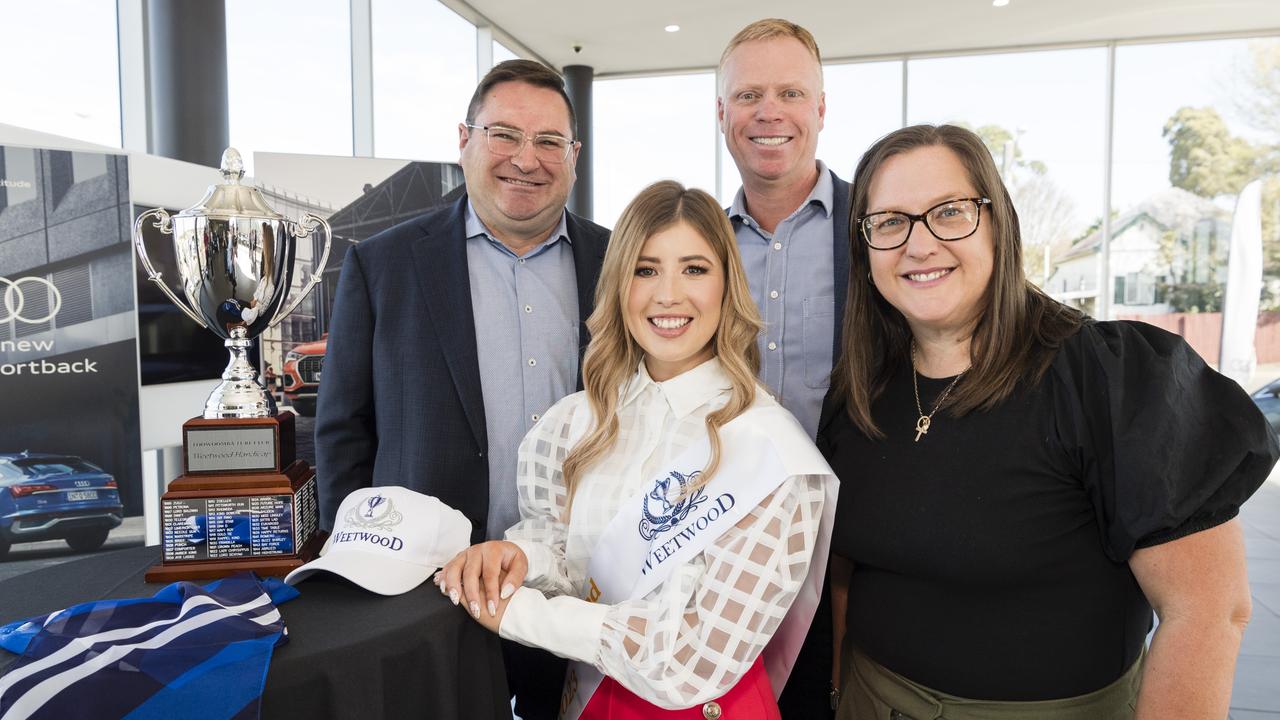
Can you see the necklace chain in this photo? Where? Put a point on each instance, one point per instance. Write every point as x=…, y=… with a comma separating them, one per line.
x=922, y=424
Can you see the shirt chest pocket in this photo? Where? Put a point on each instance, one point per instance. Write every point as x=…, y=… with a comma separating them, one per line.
x=819, y=334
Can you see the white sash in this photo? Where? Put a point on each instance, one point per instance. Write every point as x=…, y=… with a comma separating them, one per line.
x=657, y=530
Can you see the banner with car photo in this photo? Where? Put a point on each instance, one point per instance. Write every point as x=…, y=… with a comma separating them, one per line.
x=359, y=197
x=70, y=450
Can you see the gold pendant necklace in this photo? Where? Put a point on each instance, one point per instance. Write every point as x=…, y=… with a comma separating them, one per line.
x=922, y=424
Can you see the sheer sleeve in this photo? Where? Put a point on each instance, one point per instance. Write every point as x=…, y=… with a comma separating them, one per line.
x=541, y=532
x=693, y=637
x=1165, y=446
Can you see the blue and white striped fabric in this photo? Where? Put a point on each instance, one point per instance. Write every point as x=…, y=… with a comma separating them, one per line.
x=189, y=651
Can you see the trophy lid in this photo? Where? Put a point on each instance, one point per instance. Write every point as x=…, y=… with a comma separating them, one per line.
x=231, y=198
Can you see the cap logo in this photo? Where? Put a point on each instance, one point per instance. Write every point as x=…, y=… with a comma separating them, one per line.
x=388, y=539
x=375, y=511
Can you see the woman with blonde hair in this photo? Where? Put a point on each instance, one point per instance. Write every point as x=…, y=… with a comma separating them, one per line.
x=672, y=510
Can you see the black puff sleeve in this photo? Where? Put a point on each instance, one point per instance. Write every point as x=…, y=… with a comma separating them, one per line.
x=1166, y=446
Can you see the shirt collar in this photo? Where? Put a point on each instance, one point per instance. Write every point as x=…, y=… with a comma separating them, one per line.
x=685, y=392
x=823, y=193
x=475, y=227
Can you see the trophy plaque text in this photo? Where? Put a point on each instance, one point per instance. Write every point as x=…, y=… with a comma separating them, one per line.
x=243, y=501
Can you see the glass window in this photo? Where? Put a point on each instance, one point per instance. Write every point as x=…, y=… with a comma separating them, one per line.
x=85, y=166
x=20, y=174
x=650, y=129
x=424, y=71
x=63, y=75
x=864, y=102
x=502, y=53
x=9, y=473
x=1048, y=138
x=289, y=76
x=1195, y=123
x=45, y=468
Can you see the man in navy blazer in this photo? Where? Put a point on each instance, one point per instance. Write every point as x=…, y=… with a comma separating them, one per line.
x=451, y=333
x=791, y=218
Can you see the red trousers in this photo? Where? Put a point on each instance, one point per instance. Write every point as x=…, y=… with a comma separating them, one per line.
x=751, y=699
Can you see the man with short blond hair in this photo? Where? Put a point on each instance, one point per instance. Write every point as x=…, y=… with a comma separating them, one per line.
x=791, y=218
x=768, y=29
x=791, y=214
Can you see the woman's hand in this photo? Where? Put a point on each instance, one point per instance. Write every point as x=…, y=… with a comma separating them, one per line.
x=484, y=575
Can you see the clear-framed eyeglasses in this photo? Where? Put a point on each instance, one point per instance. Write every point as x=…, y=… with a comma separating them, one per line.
x=508, y=142
x=950, y=220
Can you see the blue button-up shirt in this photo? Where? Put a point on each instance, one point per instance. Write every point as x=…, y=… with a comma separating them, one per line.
x=791, y=278
x=526, y=314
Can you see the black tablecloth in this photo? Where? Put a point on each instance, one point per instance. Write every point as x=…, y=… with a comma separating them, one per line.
x=350, y=653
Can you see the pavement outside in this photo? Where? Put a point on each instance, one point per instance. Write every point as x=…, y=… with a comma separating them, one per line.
x=1256, y=694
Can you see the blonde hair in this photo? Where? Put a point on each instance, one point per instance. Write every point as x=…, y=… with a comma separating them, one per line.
x=613, y=354
x=767, y=29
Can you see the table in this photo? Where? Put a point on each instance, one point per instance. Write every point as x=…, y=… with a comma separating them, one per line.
x=351, y=653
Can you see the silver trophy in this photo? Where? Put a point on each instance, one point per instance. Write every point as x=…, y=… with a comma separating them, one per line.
x=236, y=264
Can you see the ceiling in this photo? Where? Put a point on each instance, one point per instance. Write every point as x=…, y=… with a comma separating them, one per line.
x=628, y=37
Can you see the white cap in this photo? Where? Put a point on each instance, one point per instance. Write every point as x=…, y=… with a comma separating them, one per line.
x=389, y=540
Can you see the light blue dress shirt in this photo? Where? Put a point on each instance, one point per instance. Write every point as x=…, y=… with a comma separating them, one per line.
x=790, y=273
x=526, y=317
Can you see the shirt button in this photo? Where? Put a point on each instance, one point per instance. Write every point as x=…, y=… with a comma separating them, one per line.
x=521, y=261
x=711, y=711
x=773, y=346
x=535, y=417
x=532, y=362
x=528, y=308
x=773, y=294
x=777, y=246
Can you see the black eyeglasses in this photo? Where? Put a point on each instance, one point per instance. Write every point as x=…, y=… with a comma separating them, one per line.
x=508, y=142
x=950, y=220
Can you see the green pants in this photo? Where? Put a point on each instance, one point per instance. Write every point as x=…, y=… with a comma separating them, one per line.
x=872, y=692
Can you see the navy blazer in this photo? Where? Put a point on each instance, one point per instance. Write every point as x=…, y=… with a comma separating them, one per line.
x=400, y=403
x=840, y=238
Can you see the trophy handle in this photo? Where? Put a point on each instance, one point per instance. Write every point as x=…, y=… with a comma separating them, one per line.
x=303, y=228
x=165, y=226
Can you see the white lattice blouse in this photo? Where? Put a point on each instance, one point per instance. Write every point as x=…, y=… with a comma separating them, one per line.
x=691, y=638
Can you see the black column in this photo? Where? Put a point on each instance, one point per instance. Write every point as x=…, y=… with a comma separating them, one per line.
x=187, y=67
x=577, y=80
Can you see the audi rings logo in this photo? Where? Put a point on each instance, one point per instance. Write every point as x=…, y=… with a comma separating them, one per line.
x=15, y=299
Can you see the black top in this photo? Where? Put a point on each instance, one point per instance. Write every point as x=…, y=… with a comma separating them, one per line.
x=991, y=556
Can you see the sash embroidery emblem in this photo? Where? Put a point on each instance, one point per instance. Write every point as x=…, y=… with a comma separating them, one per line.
x=660, y=514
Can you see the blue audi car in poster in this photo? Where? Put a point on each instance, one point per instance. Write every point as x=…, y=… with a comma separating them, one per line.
x=48, y=497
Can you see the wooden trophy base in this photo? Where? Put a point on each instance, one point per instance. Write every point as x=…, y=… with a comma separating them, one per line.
x=217, y=522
